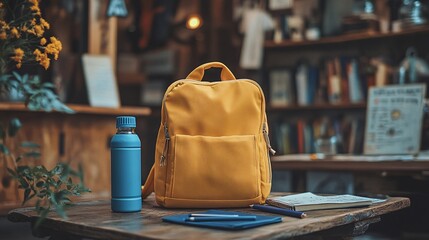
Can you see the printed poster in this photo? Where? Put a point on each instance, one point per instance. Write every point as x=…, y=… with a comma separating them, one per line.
x=394, y=119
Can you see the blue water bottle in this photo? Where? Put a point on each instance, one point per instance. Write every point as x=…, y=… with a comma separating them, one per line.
x=126, y=166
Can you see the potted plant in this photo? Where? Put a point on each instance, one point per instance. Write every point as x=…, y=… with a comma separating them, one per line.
x=23, y=41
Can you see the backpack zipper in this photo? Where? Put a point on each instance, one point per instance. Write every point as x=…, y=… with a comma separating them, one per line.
x=163, y=160
x=270, y=150
x=267, y=139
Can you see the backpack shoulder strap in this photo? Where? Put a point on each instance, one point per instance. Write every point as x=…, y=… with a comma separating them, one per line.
x=148, y=186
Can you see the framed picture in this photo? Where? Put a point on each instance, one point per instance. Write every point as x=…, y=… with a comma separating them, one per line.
x=394, y=119
x=100, y=81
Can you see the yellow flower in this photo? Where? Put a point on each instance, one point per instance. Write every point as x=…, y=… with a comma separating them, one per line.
x=34, y=2
x=44, y=23
x=33, y=22
x=19, y=52
x=31, y=31
x=54, y=47
x=3, y=35
x=14, y=32
x=3, y=23
x=35, y=9
x=42, y=58
x=39, y=30
x=42, y=41
x=57, y=43
x=19, y=55
x=24, y=29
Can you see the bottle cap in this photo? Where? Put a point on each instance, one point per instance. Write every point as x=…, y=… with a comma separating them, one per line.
x=125, y=121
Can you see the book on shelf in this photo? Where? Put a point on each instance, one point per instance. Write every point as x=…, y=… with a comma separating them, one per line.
x=281, y=88
x=309, y=201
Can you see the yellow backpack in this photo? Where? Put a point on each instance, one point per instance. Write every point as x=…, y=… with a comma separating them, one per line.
x=212, y=149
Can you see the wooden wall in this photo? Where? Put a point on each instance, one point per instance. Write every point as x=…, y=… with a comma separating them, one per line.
x=77, y=138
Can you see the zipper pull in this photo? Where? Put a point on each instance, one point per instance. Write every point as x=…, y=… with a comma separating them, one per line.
x=267, y=139
x=163, y=160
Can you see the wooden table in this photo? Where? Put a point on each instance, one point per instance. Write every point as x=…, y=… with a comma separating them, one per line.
x=94, y=219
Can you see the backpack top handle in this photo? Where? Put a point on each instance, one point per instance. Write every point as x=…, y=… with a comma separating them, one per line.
x=198, y=73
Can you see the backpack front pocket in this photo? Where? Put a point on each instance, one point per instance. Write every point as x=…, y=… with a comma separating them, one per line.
x=215, y=168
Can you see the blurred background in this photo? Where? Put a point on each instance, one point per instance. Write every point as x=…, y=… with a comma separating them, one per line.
x=315, y=60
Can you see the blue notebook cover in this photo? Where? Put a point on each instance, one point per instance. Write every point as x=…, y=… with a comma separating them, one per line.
x=227, y=225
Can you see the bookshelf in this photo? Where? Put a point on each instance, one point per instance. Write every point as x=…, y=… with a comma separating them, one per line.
x=319, y=107
x=335, y=67
x=348, y=38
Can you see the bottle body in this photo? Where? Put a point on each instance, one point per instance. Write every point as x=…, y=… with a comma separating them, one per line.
x=126, y=171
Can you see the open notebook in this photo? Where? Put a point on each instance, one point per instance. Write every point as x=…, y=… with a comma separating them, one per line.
x=309, y=201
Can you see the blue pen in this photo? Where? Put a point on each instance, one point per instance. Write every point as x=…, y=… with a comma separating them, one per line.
x=211, y=219
x=277, y=210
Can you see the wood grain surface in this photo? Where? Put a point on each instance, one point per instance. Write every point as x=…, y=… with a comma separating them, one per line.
x=94, y=219
x=81, y=138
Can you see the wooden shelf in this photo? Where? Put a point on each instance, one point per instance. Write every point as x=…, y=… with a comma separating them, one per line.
x=85, y=109
x=320, y=107
x=346, y=38
x=344, y=165
x=126, y=79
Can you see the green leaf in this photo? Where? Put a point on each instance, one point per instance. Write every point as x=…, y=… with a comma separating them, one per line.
x=33, y=106
x=27, y=144
x=80, y=174
x=23, y=183
x=60, y=211
x=57, y=169
x=4, y=149
x=48, y=85
x=29, y=198
x=35, y=80
x=24, y=78
x=26, y=195
x=69, y=183
x=42, y=216
x=66, y=200
x=17, y=76
x=52, y=199
x=14, y=126
x=40, y=170
x=42, y=193
x=40, y=184
x=25, y=171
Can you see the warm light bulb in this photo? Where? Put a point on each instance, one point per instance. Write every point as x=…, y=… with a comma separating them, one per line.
x=193, y=22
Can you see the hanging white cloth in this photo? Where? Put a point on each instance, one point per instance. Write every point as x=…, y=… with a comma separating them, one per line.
x=255, y=23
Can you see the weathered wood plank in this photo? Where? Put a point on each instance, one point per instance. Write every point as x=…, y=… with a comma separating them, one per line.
x=81, y=138
x=95, y=220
